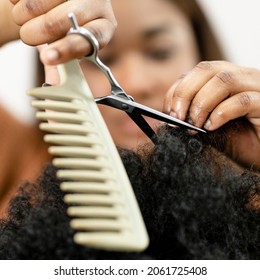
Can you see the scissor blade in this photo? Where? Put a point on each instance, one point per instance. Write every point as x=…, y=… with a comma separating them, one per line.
x=143, y=125
x=131, y=106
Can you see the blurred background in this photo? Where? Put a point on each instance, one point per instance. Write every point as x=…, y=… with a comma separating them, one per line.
x=236, y=23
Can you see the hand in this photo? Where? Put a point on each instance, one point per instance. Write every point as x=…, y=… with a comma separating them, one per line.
x=212, y=94
x=9, y=30
x=46, y=21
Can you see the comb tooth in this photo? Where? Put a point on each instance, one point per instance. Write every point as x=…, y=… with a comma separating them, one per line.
x=80, y=163
x=109, y=240
x=91, y=187
x=93, y=199
x=57, y=94
x=88, y=175
x=80, y=152
x=66, y=128
x=61, y=117
x=95, y=212
x=100, y=224
x=71, y=140
x=58, y=106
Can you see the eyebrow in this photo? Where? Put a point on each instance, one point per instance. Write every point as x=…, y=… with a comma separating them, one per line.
x=155, y=31
x=150, y=32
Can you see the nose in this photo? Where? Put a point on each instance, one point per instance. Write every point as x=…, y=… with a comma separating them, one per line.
x=135, y=77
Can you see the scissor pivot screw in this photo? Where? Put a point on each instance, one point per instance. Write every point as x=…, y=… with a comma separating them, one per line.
x=125, y=107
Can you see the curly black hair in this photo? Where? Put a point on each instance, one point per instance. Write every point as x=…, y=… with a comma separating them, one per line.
x=196, y=204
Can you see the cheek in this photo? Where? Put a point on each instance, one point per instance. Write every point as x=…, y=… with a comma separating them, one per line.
x=169, y=72
x=168, y=76
x=180, y=66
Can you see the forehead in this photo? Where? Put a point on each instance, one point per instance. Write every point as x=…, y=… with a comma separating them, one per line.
x=133, y=15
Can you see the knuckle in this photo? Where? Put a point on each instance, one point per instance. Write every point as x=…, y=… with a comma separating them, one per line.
x=99, y=35
x=182, y=76
x=205, y=65
x=180, y=91
x=178, y=94
x=244, y=99
x=200, y=109
x=197, y=118
x=198, y=106
x=98, y=31
x=225, y=77
x=53, y=27
x=33, y=7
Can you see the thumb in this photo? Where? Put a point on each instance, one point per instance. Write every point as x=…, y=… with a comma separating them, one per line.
x=51, y=71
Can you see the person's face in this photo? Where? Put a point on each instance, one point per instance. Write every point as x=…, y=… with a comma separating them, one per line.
x=153, y=45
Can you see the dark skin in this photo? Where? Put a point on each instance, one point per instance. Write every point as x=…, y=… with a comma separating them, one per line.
x=48, y=21
x=9, y=29
x=214, y=93
x=209, y=96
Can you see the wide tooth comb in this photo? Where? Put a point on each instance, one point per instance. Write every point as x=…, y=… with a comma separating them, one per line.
x=103, y=208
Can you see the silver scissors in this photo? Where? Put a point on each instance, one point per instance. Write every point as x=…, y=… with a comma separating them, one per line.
x=119, y=98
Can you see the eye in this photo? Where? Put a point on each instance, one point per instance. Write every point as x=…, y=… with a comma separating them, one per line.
x=108, y=60
x=161, y=54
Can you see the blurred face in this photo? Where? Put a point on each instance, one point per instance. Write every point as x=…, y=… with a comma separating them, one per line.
x=153, y=45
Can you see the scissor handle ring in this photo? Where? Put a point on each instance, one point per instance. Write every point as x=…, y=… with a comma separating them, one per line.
x=76, y=29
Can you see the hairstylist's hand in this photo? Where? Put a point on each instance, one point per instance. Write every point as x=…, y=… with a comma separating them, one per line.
x=216, y=92
x=46, y=21
x=9, y=30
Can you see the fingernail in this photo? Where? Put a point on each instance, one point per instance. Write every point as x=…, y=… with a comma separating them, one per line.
x=52, y=54
x=46, y=85
x=192, y=132
x=167, y=108
x=207, y=124
x=173, y=114
x=178, y=106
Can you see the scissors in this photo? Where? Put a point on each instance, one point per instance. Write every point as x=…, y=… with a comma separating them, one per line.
x=119, y=98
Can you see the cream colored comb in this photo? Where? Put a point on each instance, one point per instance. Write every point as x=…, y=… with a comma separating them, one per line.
x=103, y=208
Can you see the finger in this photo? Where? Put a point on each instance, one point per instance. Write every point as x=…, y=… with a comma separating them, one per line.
x=52, y=25
x=220, y=87
x=24, y=10
x=239, y=105
x=217, y=89
x=167, y=103
x=51, y=75
x=14, y=1
x=55, y=24
x=76, y=46
x=189, y=86
x=50, y=71
x=72, y=46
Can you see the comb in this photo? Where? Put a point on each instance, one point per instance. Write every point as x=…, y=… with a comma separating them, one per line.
x=101, y=202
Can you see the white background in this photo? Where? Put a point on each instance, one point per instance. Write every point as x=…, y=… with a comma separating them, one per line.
x=45, y=269
x=236, y=23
